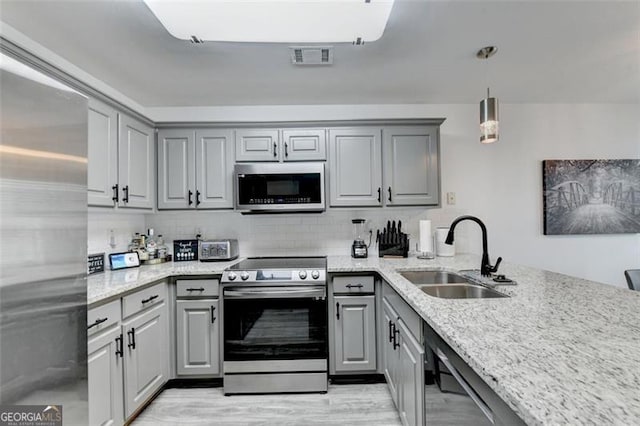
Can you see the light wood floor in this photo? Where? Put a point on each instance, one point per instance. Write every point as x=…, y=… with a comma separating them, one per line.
x=342, y=405
x=368, y=404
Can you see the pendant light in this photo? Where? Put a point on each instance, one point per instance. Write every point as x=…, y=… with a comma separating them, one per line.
x=489, y=132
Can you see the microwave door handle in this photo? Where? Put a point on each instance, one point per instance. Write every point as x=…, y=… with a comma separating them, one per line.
x=272, y=294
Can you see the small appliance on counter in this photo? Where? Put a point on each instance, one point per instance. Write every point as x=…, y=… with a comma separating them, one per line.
x=218, y=250
x=359, y=249
x=392, y=242
x=185, y=250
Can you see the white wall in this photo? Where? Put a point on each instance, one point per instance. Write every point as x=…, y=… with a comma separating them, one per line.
x=500, y=183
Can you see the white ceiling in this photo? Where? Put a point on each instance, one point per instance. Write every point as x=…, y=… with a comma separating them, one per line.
x=549, y=51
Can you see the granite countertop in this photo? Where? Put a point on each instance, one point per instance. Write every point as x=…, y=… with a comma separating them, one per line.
x=560, y=350
x=105, y=286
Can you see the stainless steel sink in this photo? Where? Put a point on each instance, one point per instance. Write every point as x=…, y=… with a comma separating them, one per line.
x=433, y=277
x=460, y=291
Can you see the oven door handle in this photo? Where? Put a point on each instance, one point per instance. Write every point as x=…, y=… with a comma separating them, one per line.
x=263, y=293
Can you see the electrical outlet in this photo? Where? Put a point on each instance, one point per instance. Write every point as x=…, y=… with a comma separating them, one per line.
x=451, y=198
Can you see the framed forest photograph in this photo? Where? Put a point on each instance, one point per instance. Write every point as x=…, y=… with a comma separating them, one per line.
x=591, y=196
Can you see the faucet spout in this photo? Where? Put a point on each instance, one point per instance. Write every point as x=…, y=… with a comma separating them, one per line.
x=486, y=269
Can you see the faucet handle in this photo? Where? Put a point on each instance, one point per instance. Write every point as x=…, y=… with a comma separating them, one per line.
x=494, y=269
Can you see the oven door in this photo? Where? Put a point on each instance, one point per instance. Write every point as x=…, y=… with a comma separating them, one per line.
x=274, y=323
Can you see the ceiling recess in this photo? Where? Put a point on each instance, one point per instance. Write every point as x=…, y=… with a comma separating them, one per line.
x=311, y=55
x=274, y=21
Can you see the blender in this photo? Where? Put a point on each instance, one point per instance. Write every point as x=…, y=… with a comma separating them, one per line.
x=359, y=249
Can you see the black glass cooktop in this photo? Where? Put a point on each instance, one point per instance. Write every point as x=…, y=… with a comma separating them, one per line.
x=255, y=263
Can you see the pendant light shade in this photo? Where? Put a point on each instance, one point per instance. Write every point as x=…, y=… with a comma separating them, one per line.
x=489, y=129
x=489, y=119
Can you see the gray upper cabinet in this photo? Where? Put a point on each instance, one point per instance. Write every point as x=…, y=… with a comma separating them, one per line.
x=304, y=144
x=102, y=173
x=355, y=333
x=195, y=168
x=258, y=145
x=176, y=174
x=410, y=164
x=214, y=168
x=198, y=337
x=136, y=163
x=355, y=166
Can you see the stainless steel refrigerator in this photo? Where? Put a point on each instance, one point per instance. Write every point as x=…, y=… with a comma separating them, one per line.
x=43, y=242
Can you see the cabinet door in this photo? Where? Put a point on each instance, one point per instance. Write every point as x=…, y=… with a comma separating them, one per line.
x=102, y=153
x=214, y=169
x=104, y=364
x=176, y=174
x=410, y=156
x=355, y=333
x=390, y=353
x=198, y=337
x=258, y=145
x=136, y=161
x=146, y=366
x=411, y=384
x=355, y=167
x=304, y=144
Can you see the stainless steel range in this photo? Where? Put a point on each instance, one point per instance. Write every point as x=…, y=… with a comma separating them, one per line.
x=275, y=325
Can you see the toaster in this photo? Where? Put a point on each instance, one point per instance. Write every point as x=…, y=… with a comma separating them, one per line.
x=216, y=250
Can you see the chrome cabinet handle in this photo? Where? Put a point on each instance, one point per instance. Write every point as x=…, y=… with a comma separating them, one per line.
x=97, y=321
x=131, y=334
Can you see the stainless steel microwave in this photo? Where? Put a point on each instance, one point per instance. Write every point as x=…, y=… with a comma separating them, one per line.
x=279, y=188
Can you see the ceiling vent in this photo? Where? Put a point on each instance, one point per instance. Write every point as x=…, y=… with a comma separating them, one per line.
x=312, y=55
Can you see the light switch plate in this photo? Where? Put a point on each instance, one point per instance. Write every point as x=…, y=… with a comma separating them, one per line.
x=451, y=198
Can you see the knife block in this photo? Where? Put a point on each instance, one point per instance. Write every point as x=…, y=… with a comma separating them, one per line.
x=398, y=249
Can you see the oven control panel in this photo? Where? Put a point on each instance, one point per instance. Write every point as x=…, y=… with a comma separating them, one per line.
x=275, y=275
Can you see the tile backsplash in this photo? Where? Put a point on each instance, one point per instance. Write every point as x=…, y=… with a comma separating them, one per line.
x=327, y=233
x=107, y=227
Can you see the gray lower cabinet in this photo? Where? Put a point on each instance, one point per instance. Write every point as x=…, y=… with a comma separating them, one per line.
x=198, y=337
x=104, y=363
x=355, y=164
x=355, y=333
x=411, y=377
x=146, y=355
x=403, y=362
x=195, y=169
x=410, y=164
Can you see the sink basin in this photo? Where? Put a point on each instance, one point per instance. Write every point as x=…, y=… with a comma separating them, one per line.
x=460, y=291
x=433, y=277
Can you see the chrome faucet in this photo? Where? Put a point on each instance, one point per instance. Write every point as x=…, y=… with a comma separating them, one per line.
x=485, y=267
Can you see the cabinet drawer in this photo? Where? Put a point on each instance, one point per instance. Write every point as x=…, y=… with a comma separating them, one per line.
x=197, y=288
x=353, y=284
x=143, y=299
x=103, y=317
